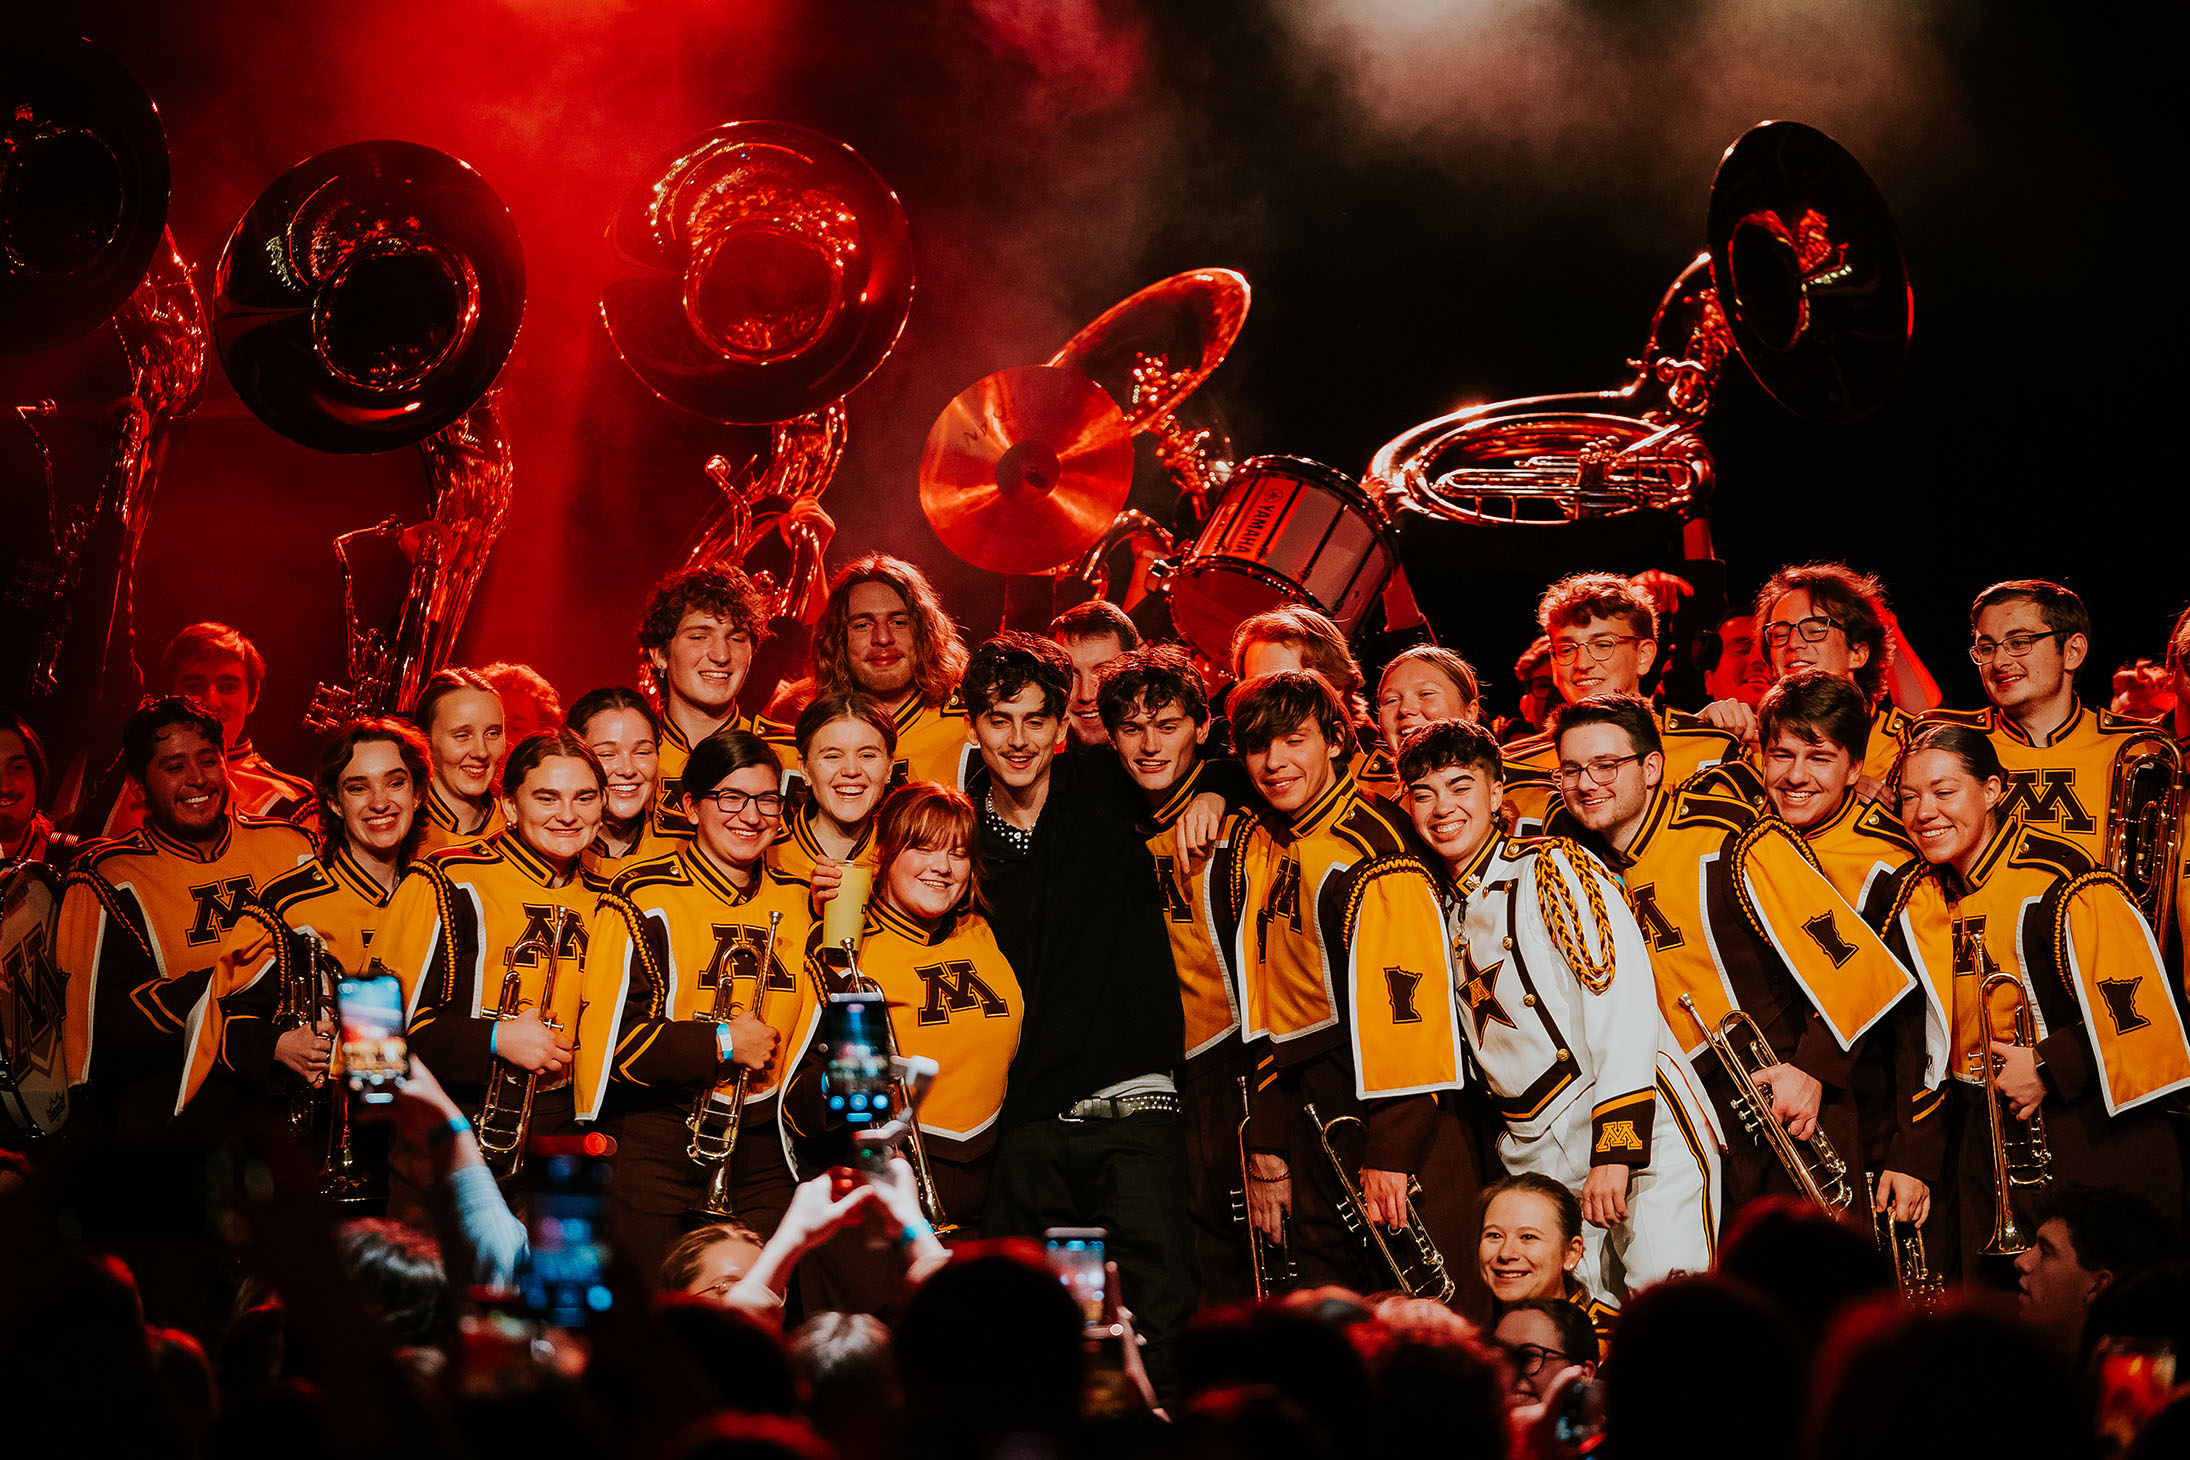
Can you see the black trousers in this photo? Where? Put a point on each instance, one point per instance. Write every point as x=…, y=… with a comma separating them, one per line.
x=1211, y=1109
x=657, y=1190
x=1749, y=1169
x=1127, y=1176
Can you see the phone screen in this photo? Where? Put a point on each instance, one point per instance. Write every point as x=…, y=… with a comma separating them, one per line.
x=375, y=1058
x=1076, y=1256
x=565, y=1278
x=855, y=1048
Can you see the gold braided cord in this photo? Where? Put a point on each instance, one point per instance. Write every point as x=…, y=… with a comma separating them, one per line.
x=1555, y=904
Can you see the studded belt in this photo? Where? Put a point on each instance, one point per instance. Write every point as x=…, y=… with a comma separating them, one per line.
x=1117, y=1107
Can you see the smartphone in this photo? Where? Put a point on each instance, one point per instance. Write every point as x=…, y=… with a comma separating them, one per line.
x=855, y=1054
x=375, y=1058
x=1577, y=1415
x=1076, y=1256
x=564, y=1282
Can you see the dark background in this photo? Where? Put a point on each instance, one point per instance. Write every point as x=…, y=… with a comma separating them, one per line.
x=1435, y=203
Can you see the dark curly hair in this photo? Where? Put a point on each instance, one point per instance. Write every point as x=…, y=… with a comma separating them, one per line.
x=709, y=588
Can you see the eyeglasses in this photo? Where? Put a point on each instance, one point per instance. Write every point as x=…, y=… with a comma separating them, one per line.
x=1530, y=1358
x=733, y=803
x=1600, y=648
x=1813, y=631
x=2017, y=645
x=1603, y=772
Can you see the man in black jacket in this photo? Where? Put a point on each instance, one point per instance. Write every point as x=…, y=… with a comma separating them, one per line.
x=1090, y=1133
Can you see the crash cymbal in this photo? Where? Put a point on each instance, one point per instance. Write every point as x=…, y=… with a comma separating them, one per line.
x=1182, y=326
x=1025, y=469
x=83, y=189
x=369, y=296
x=759, y=274
x=1809, y=270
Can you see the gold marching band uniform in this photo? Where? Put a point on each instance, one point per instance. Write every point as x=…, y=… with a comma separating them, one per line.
x=674, y=751
x=2109, y=1036
x=442, y=830
x=1738, y=917
x=139, y=937
x=669, y=931
x=233, y=1034
x=451, y=934
x=1347, y=980
x=1559, y=1006
x=256, y=787
x=600, y=862
x=796, y=852
x=2064, y=786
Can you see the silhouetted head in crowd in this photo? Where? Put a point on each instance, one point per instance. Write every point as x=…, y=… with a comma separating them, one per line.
x=748, y=1437
x=740, y=1360
x=2084, y=1239
x=1703, y=1367
x=1299, y=1349
x=1962, y=1381
x=988, y=1347
x=397, y=1270
x=1244, y=1422
x=1542, y=1338
x=1809, y=1264
x=2147, y=1307
x=848, y=1373
x=1438, y=1387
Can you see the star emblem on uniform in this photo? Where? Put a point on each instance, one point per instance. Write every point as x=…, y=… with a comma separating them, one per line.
x=1480, y=994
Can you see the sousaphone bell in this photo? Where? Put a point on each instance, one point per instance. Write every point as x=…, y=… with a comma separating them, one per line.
x=367, y=301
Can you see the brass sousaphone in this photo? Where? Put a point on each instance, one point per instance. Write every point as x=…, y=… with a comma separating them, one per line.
x=757, y=277
x=366, y=301
x=1804, y=281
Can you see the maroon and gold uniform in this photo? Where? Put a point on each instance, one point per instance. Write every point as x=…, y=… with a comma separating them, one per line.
x=674, y=749
x=2063, y=787
x=1738, y=916
x=669, y=932
x=452, y=932
x=1347, y=977
x=139, y=935
x=797, y=850
x=1531, y=765
x=233, y=1036
x=606, y=865
x=444, y=831
x=2110, y=1040
x=255, y=788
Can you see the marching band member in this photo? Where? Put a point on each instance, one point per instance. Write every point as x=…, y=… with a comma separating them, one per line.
x=1093, y=633
x=884, y=633
x=142, y=916
x=1736, y=917
x=1994, y=894
x=1421, y=685
x=1531, y=1249
x=1296, y=637
x=1156, y=715
x=462, y=719
x=952, y=994
x=847, y=747
x=1559, y=1005
x=1814, y=731
x=620, y=728
x=371, y=780
x=1604, y=641
x=222, y=670
x=529, y=703
x=26, y=832
x=698, y=634
x=670, y=931
x=1738, y=670
x=2029, y=638
x=1336, y=931
x=465, y=918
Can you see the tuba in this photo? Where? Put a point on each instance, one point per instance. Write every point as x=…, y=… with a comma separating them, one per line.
x=366, y=301
x=718, y=1112
x=2144, y=830
x=505, y=1114
x=1821, y=1175
x=756, y=278
x=1803, y=282
x=83, y=243
x=1417, y=1267
x=2020, y=1158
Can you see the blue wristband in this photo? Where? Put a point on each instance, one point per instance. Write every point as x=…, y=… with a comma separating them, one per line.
x=722, y=1041
x=448, y=1130
x=494, y=1032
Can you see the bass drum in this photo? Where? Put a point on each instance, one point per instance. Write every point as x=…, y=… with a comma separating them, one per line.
x=1287, y=531
x=33, y=1076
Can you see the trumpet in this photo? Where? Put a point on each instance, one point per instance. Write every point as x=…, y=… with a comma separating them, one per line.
x=306, y=999
x=1270, y=1262
x=1412, y=1258
x=916, y=1149
x=1903, y=1244
x=2023, y=1160
x=1821, y=1176
x=2145, y=827
x=505, y=1115
x=718, y=1112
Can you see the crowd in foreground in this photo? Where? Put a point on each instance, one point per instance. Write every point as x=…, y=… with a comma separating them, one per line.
x=1279, y=993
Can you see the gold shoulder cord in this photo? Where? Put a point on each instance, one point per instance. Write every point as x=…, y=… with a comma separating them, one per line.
x=1555, y=903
